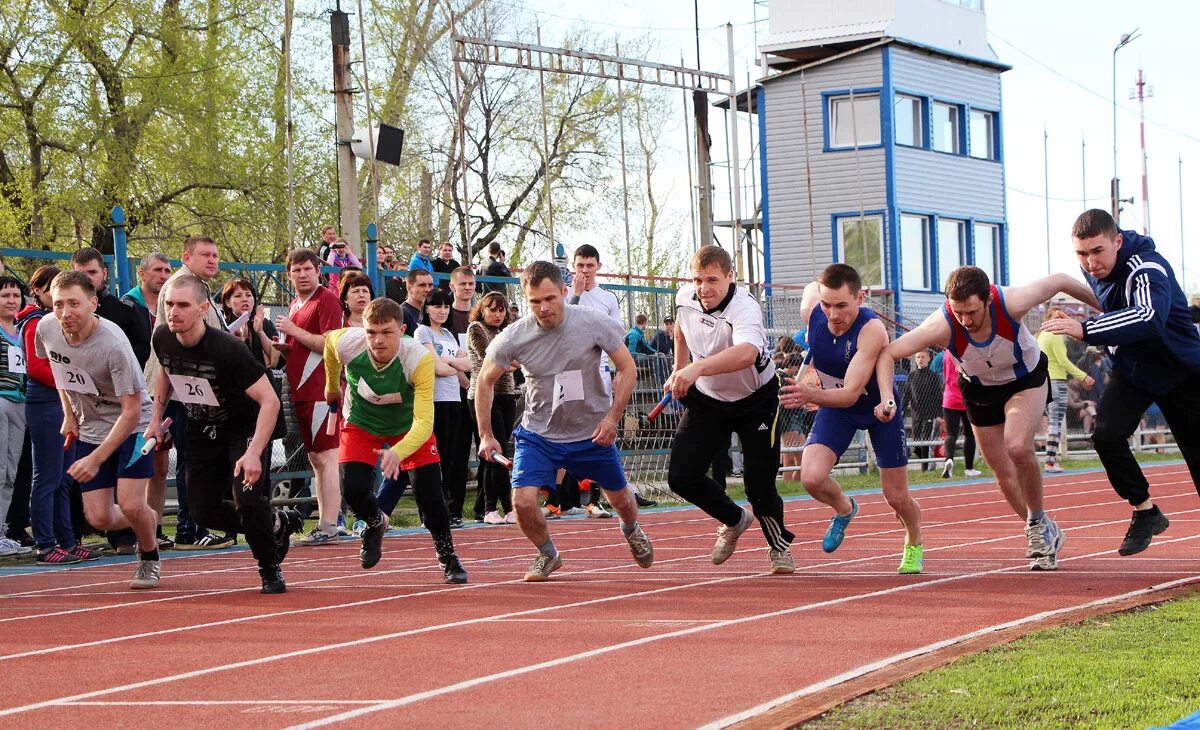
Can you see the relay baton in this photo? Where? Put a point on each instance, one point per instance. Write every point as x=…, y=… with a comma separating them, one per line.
x=153, y=441
x=68, y=440
x=502, y=460
x=658, y=409
x=890, y=407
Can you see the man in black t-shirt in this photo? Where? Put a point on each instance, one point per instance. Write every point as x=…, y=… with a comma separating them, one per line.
x=231, y=409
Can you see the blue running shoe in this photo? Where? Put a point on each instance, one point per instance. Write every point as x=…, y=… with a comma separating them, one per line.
x=837, y=529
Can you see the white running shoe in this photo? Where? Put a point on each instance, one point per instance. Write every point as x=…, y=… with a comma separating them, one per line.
x=493, y=518
x=595, y=510
x=11, y=548
x=727, y=538
x=973, y=472
x=948, y=469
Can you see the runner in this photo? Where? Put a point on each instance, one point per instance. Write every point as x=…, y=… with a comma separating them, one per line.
x=845, y=339
x=570, y=420
x=232, y=409
x=729, y=387
x=388, y=420
x=1003, y=376
x=105, y=405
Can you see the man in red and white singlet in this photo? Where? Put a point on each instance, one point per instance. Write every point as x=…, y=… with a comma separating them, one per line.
x=1004, y=382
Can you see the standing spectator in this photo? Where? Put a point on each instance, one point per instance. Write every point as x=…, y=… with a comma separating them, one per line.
x=329, y=234
x=493, y=504
x=1096, y=366
x=923, y=403
x=1194, y=310
x=449, y=363
x=421, y=258
x=340, y=256
x=445, y=263
x=1079, y=408
x=419, y=282
x=643, y=352
x=12, y=408
x=355, y=293
x=315, y=311
x=1054, y=347
x=394, y=286
x=664, y=340
x=495, y=267
x=259, y=333
x=954, y=417
x=462, y=286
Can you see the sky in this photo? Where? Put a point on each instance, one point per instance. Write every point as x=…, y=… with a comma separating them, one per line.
x=1060, y=85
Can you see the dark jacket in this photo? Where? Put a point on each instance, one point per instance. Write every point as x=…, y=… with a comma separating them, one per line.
x=494, y=268
x=135, y=325
x=923, y=395
x=444, y=267
x=1145, y=324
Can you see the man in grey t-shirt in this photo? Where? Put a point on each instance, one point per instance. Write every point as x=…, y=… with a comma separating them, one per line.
x=105, y=405
x=570, y=421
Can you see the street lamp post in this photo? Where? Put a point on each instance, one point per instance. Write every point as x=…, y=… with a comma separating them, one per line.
x=1126, y=39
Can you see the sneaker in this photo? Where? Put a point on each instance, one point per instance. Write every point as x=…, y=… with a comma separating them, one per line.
x=272, y=580
x=358, y=528
x=913, y=561
x=639, y=545
x=837, y=526
x=1144, y=525
x=1045, y=562
x=126, y=548
x=315, y=536
x=973, y=473
x=290, y=522
x=595, y=510
x=22, y=538
x=1044, y=538
x=511, y=517
x=372, y=542
x=456, y=523
x=1052, y=467
x=727, y=538
x=493, y=518
x=574, y=511
x=146, y=575
x=948, y=468
x=56, y=556
x=643, y=502
x=211, y=541
x=782, y=562
x=543, y=566
x=551, y=512
x=84, y=554
x=342, y=530
x=454, y=572
x=165, y=543
x=12, y=548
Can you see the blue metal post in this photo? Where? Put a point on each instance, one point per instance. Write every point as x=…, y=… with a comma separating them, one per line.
x=120, y=274
x=372, y=255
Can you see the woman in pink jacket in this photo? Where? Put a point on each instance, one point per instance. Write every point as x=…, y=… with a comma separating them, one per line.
x=954, y=412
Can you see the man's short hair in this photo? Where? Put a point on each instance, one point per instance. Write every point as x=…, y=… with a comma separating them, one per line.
x=68, y=279
x=424, y=240
x=494, y=248
x=1092, y=223
x=967, y=280
x=539, y=271
x=461, y=273
x=153, y=256
x=189, y=246
x=413, y=274
x=586, y=251
x=188, y=281
x=836, y=276
x=85, y=256
x=382, y=310
x=711, y=255
x=301, y=256
x=640, y=320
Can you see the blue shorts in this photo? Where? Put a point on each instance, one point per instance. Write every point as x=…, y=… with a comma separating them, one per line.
x=116, y=466
x=835, y=428
x=537, y=461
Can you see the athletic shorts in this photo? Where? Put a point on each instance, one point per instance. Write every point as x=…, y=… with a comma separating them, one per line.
x=311, y=418
x=536, y=462
x=834, y=428
x=116, y=466
x=358, y=445
x=985, y=403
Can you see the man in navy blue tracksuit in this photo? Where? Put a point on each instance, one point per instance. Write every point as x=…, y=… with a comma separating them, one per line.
x=1156, y=359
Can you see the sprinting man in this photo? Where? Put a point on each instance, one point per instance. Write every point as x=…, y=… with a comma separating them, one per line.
x=725, y=376
x=105, y=404
x=232, y=408
x=570, y=422
x=1004, y=378
x=388, y=420
x=1156, y=359
x=845, y=339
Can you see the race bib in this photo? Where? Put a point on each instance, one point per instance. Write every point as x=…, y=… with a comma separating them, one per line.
x=16, y=360
x=368, y=394
x=829, y=382
x=568, y=387
x=193, y=391
x=462, y=341
x=69, y=377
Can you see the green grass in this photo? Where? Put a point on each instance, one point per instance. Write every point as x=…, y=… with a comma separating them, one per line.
x=1131, y=670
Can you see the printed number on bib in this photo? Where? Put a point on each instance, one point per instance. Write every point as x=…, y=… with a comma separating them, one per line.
x=69, y=377
x=368, y=394
x=568, y=387
x=194, y=391
x=829, y=382
x=16, y=360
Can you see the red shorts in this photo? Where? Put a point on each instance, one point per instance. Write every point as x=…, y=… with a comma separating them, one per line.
x=312, y=419
x=360, y=446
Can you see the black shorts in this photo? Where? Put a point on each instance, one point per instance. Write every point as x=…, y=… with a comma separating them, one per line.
x=985, y=403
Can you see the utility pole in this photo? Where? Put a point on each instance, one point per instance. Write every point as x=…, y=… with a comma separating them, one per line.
x=1142, y=93
x=703, y=173
x=339, y=26
x=1182, y=245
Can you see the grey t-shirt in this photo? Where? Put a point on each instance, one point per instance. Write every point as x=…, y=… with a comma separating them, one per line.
x=94, y=373
x=565, y=398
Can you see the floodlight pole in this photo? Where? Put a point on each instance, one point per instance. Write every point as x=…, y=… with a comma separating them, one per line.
x=339, y=25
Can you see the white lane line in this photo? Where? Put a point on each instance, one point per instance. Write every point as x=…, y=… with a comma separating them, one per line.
x=212, y=703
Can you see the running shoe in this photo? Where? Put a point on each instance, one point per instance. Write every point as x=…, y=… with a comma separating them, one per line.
x=290, y=522
x=12, y=548
x=913, y=561
x=973, y=473
x=727, y=538
x=493, y=518
x=57, y=556
x=128, y=548
x=1044, y=538
x=782, y=562
x=456, y=523
x=1053, y=467
x=574, y=511
x=947, y=469
x=643, y=502
x=342, y=529
x=22, y=538
x=511, y=517
x=272, y=580
x=84, y=554
x=639, y=545
x=1144, y=525
x=1045, y=562
x=316, y=536
x=551, y=512
x=358, y=528
x=595, y=510
x=372, y=541
x=165, y=543
x=543, y=566
x=454, y=571
x=147, y=574
x=837, y=527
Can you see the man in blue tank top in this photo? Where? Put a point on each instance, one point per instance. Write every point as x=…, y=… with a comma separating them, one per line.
x=845, y=340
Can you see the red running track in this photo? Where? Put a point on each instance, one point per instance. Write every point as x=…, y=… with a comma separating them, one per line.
x=604, y=643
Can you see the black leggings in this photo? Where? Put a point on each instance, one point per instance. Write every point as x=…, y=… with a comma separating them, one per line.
x=955, y=420
x=493, y=479
x=358, y=481
x=448, y=425
x=219, y=500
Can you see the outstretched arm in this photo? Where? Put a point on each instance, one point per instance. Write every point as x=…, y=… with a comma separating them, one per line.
x=935, y=330
x=1021, y=299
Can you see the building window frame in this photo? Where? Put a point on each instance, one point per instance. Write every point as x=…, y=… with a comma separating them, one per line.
x=839, y=221
x=828, y=99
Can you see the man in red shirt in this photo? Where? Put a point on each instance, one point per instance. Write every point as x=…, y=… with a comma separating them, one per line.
x=315, y=311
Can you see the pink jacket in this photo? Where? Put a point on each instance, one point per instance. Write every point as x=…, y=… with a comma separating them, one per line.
x=951, y=395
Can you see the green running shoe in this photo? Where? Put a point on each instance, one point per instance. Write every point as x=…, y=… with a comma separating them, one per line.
x=914, y=560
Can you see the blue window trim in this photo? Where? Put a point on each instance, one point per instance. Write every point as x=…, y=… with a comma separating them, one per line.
x=999, y=157
x=929, y=270
x=887, y=107
x=926, y=138
x=960, y=148
x=827, y=95
x=761, y=102
x=1001, y=258
x=884, y=238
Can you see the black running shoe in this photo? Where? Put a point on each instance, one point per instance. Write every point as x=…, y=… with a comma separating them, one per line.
x=455, y=523
x=272, y=580
x=453, y=569
x=290, y=522
x=372, y=541
x=1142, y=528
x=643, y=502
x=22, y=538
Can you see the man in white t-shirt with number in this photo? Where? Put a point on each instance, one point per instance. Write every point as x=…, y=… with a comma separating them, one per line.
x=105, y=405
